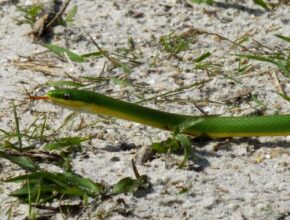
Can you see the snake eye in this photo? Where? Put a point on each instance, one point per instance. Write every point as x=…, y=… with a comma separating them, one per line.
x=66, y=96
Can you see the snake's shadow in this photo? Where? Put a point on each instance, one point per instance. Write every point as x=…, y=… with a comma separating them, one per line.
x=200, y=158
x=200, y=154
x=258, y=144
x=240, y=7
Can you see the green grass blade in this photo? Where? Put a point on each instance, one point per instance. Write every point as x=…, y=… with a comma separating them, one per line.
x=282, y=65
x=262, y=3
x=24, y=162
x=84, y=184
x=202, y=57
x=41, y=136
x=30, y=13
x=283, y=37
x=65, y=142
x=256, y=57
x=62, y=83
x=209, y=2
x=32, y=176
x=17, y=126
x=287, y=98
x=71, y=14
x=60, y=51
x=186, y=144
x=125, y=185
x=171, y=144
x=279, y=61
x=6, y=133
x=121, y=82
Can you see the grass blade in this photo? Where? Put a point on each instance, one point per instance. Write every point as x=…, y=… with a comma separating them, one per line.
x=262, y=3
x=287, y=98
x=24, y=162
x=283, y=67
x=202, y=57
x=65, y=83
x=256, y=57
x=71, y=14
x=209, y=2
x=283, y=37
x=41, y=136
x=17, y=126
x=65, y=142
x=126, y=184
x=185, y=143
x=60, y=51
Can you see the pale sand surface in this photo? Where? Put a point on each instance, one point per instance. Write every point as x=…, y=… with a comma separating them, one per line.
x=231, y=183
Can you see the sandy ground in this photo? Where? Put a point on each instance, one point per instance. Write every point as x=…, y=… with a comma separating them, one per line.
x=236, y=179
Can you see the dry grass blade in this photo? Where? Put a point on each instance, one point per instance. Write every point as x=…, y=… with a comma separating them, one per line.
x=43, y=66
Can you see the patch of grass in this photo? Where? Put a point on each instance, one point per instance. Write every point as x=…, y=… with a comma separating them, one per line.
x=70, y=17
x=178, y=141
x=281, y=59
x=30, y=13
x=121, y=82
x=124, y=58
x=174, y=44
x=39, y=186
x=175, y=144
x=129, y=184
x=243, y=66
x=211, y=68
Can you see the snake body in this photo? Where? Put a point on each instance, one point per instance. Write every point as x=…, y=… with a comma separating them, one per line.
x=211, y=126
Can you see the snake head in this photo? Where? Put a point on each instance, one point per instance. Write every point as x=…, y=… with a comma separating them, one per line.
x=68, y=98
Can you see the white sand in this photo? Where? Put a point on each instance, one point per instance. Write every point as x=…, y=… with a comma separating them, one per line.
x=232, y=184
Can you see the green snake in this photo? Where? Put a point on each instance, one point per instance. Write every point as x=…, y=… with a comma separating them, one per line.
x=211, y=126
